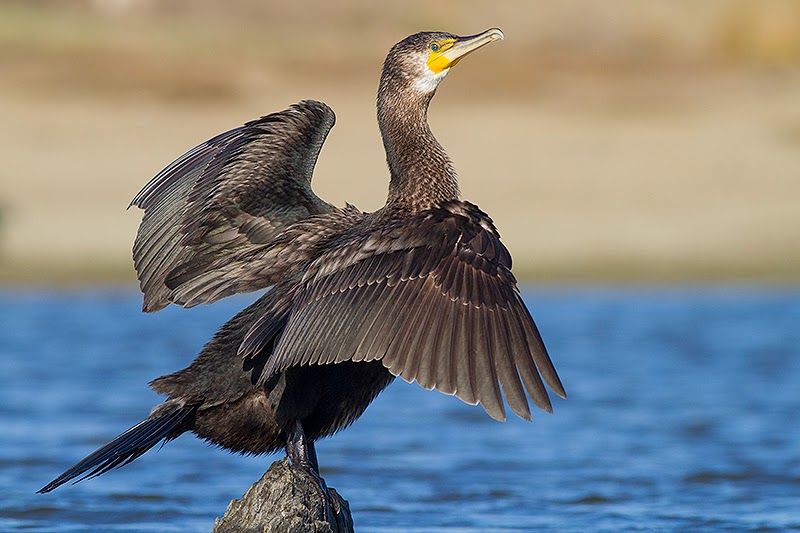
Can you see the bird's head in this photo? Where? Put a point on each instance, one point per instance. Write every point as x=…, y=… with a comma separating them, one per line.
x=419, y=62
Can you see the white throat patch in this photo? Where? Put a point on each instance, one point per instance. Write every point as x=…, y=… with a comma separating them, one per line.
x=430, y=80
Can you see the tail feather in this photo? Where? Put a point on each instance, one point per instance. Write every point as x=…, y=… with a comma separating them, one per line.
x=125, y=448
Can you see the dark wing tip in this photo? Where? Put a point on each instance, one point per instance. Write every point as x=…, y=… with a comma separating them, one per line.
x=547, y=408
x=498, y=413
x=524, y=414
x=560, y=391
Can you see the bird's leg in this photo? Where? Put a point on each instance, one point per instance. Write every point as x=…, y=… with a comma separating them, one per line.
x=300, y=450
x=312, y=457
x=303, y=455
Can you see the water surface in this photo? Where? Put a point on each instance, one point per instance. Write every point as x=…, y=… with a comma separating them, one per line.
x=683, y=415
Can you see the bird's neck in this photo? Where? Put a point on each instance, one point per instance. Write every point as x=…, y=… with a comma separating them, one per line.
x=422, y=174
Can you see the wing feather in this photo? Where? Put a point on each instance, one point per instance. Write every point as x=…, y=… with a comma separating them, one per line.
x=485, y=374
x=391, y=318
x=353, y=310
x=446, y=345
x=507, y=366
x=538, y=351
x=226, y=198
x=433, y=298
x=528, y=372
x=464, y=366
x=351, y=343
x=426, y=345
x=411, y=345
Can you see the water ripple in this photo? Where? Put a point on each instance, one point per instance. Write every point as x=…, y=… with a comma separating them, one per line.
x=680, y=418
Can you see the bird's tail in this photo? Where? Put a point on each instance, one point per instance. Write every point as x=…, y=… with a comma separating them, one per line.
x=163, y=424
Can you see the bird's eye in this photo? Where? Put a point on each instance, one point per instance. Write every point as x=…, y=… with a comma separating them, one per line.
x=434, y=47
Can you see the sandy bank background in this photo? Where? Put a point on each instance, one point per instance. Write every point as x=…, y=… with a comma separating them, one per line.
x=655, y=141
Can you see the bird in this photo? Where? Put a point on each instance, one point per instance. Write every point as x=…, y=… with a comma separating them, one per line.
x=421, y=289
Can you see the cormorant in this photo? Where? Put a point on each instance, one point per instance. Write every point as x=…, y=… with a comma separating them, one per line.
x=421, y=288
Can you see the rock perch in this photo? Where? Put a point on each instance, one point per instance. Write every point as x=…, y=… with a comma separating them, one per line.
x=285, y=499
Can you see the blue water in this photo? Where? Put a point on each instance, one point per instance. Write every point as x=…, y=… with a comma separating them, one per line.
x=682, y=416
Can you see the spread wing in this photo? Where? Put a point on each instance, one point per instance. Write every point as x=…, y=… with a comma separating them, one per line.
x=224, y=199
x=434, y=299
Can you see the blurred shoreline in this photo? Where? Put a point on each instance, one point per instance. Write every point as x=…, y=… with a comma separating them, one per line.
x=656, y=143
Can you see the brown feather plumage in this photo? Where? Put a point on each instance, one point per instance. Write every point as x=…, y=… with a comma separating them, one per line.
x=421, y=289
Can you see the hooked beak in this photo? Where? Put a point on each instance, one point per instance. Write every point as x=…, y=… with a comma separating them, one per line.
x=466, y=45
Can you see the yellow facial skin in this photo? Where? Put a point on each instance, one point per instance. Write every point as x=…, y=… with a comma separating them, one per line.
x=447, y=52
x=437, y=61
